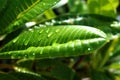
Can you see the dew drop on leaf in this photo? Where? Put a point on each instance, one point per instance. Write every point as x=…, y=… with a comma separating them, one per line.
x=47, y=30
x=53, y=21
x=15, y=40
x=33, y=54
x=12, y=57
x=57, y=30
x=41, y=31
x=26, y=43
x=31, y=30
x=50, y=34
x=41, y=52
x=89, y=49
x=26, y=56
x=44, y=4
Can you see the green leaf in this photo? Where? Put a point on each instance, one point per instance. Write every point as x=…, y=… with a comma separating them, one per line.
x=49, y=68
x=115, y=65
x=56, y=69
x=24, y=63
x=97, y=75
x=18, y=12
x=62, y=72
x=4, y=76
x=54, y=41
x=27, y=76
x=3, y=4
x=103, y=7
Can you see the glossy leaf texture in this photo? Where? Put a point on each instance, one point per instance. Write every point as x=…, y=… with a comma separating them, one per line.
x=107, y=24
x=18, y=12
x=54, y=41
x=103, y=7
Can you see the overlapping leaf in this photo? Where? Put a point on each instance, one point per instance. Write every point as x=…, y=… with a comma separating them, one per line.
x=19, y=12
x=106, y=24
x=49, y=68
x=54, y=41
x=27, y=76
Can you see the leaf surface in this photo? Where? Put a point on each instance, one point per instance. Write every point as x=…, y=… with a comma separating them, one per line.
x=54, y=41
x=18, y=12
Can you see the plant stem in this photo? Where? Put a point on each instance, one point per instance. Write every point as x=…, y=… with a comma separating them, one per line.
x=79, y=61
x=4, y=66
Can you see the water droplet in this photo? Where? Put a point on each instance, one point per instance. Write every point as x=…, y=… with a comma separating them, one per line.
x=89, y=49
x=26, y=43
x=41, y=25
x=26, y=56
x=31, y=30
x=50, y=34
x=47, y=30
x=53, y=21
x=60, y=22
x=12, y=57
x=48, y=23
x=41, y=52
x=33, y=54
x=41, y=31
x=36, y=27
x=44, y=4
x=15, y=40
x=29, y=24
x=57, y=30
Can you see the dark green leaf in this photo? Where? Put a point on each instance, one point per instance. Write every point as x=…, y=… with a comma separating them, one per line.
x=56, y=69
x=24, y=63
x=54, y=41
x=97, y=75
x=27, y=76
x=3, y=4
x=4, y=76
x=18, y=12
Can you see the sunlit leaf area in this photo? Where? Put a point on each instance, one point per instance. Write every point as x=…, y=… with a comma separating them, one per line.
x=59, y=40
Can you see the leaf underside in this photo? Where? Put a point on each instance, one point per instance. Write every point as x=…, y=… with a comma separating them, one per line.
x=54, y=41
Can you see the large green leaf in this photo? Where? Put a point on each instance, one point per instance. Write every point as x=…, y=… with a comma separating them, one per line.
x=19, y=12
x=54, y=41
x=103, y=7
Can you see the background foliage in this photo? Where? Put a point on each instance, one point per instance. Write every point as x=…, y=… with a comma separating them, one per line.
x=51, y=40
